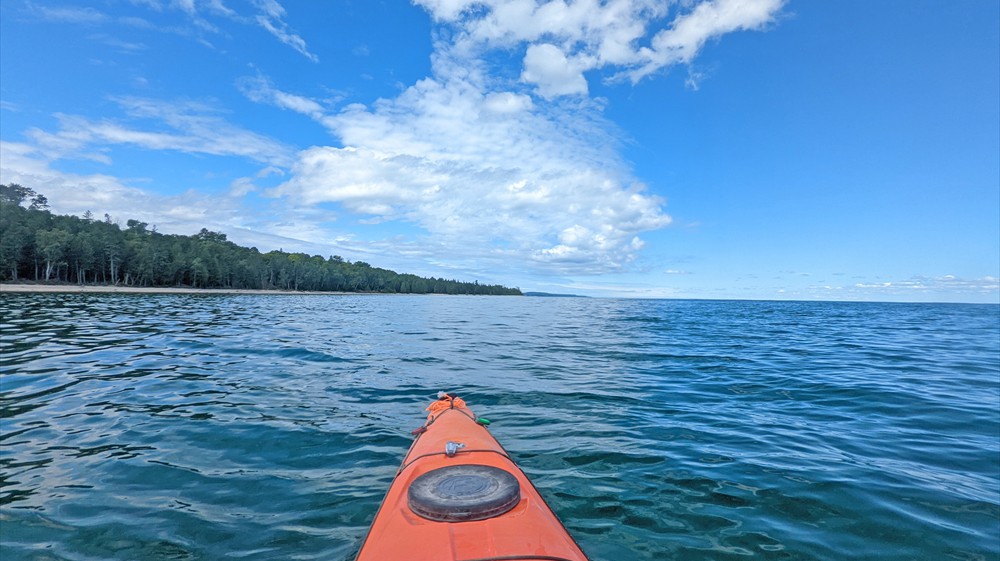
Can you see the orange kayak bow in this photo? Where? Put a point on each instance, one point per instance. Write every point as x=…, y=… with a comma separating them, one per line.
x=459, y=497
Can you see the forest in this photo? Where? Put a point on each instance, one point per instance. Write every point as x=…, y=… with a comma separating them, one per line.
x=37, y=245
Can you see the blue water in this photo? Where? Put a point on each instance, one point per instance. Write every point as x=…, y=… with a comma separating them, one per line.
x=268, y=427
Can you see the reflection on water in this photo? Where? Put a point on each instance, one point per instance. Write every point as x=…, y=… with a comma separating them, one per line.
x=269, y=427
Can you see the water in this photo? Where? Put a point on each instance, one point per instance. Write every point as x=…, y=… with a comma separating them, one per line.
x=268, y=427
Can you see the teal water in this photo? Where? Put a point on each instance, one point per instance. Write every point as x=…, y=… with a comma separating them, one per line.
x=268, y=427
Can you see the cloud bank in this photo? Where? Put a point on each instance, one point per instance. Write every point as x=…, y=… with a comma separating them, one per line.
x=500, y=157
x=634, y=38
x=519, y=165
x=485, y=170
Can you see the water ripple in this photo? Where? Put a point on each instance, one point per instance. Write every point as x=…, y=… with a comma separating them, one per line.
x=268, y=427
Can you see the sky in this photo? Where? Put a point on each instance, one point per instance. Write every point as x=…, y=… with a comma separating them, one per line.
x=724, y=149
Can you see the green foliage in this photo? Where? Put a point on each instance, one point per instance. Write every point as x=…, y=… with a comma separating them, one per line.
x=15, y=194
x=36, y=244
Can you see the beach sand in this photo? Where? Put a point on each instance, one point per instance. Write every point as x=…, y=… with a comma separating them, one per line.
x=108, y=289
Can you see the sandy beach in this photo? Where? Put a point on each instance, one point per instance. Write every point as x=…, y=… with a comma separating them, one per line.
x=78, y=289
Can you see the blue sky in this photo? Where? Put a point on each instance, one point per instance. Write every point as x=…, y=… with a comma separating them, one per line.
x=759, y=149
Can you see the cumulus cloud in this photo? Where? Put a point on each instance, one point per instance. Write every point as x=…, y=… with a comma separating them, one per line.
x=515, y=164
x=631, y=38
x=490, y=171
x=547, y=67
x=507, y=103
x=475, y=161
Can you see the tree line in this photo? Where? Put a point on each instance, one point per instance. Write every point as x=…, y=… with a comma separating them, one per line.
x=40, y=246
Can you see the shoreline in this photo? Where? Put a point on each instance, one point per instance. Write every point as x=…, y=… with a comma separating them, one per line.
x=111, y=289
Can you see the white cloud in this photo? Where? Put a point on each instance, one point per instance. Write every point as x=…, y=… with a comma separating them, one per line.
x=69, y=14
x=687, y=34
x=155, y=5
x=259, y=89
x=123, y=46
x=186, y=6
x=485, y=170
x=507, y=103
x=242, y=186
x=548, y=68
x=26, y=165
x=631, y=38
x=202, y=16
x=489, y=174
x=271, y=18
x=946, y=284
x=188, y=127
x=917, y=288
x=75, y=194
x=292, y=229
x=180, y=126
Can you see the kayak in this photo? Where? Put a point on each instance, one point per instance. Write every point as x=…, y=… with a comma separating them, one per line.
x=458, y=496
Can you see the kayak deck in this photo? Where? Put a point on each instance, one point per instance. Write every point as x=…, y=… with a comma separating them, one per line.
x=524, y=528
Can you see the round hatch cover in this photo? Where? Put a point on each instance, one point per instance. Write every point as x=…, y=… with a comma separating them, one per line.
x=464, y=492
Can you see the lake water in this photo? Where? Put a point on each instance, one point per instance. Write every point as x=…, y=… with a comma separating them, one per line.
x=250, y=427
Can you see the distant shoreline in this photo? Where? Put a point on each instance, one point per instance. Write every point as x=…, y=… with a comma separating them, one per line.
x=111, y=289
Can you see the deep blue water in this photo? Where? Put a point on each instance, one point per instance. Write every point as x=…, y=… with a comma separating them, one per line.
x=269, y=427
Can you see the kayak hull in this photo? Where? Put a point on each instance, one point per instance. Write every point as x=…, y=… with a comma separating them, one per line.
x=527, y=531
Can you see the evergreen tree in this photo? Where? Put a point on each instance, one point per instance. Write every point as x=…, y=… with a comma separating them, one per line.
x=34, y=243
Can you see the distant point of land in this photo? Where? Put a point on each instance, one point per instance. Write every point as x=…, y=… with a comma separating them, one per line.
x=551, y=295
